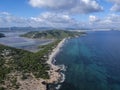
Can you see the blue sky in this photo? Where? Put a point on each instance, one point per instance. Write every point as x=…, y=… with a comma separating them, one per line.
x=62, y=13
x=19, y=8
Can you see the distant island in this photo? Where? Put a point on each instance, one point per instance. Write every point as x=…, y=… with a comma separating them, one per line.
x=2, y=35
x=21, y=69
x=52, y=34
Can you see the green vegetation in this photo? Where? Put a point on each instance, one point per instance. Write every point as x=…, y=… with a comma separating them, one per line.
x=2, y=35
x=52, y=34
x=16, y=60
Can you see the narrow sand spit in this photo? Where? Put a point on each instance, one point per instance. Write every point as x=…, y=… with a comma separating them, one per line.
x=54, y=53
x=54, y=75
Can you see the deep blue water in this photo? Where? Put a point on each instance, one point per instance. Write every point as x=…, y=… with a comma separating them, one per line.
x=92, y=61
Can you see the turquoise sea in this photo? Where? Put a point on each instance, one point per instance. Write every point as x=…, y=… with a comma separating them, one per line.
x=92, y=61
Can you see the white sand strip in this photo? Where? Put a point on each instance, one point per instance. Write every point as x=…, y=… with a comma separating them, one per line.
x=54, y=76
x=54, y=52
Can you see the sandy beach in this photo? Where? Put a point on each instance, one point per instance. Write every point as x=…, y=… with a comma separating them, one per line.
x=54, y=75
x=54, y=53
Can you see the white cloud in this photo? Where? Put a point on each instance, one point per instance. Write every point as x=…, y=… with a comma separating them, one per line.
x=116, y=6
x=69, y=6
x=93, y=18
x=111, y=21
x=6, y=20
x=4, y=13
x=115, y=1
x=57, y=20
x=44, y=20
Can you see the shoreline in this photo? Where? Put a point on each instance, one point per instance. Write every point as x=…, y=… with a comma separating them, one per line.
x=54, y=52
x=56, y=76
x=54, y=72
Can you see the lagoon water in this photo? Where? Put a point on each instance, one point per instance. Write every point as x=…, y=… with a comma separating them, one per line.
x=14, y=40
x=92, y=61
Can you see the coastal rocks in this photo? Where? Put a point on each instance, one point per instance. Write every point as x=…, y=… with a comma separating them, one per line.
x=56, y=76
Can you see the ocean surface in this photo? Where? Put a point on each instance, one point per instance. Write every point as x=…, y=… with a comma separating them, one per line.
x=92, y=61
x=13, y=39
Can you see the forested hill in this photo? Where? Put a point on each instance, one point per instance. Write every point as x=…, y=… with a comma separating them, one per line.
x=52, y=34
x=2, y=35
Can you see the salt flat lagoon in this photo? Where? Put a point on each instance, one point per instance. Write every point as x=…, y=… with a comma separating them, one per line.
x=13, y=39
x=92, y=62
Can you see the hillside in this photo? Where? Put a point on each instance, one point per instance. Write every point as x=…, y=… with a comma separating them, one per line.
x=2, y=35
x=17, y=65
x=51, y=34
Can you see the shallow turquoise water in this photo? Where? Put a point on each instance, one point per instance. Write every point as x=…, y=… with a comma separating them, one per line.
x=93, y=62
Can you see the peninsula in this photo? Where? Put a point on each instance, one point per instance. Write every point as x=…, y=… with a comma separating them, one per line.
x=52, y=34
x=24, y=70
